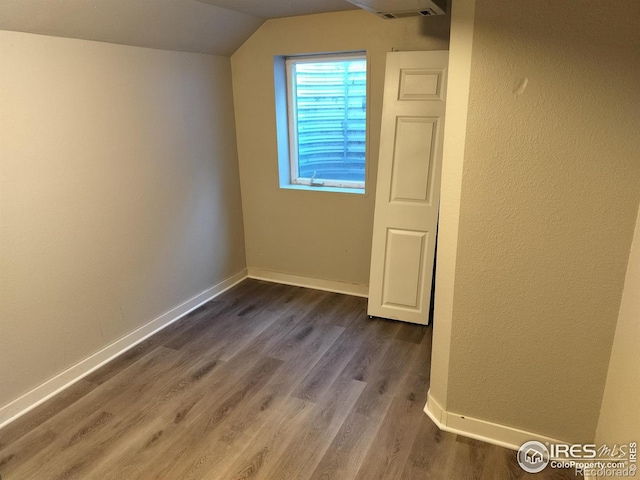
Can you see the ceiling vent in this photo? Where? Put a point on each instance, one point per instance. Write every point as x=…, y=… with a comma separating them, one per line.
x=400, y=8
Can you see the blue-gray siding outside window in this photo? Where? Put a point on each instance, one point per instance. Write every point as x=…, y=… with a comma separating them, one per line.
x=330, y=102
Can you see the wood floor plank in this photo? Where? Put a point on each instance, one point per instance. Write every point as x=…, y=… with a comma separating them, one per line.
x=221, y=316
x=351, y=315
x=242, y=427
x=265, y=382
x=325, y=372
x=352, y=312
x=307, y=446
x=67, y=455
x=429, y=453
x=23, y=425
x=270, y=443
x=24, y=451
x=89, y=415
x=309, y=331
x=498, y=461
x=159, y=417
x=370, y=354
x=197, y=317
x=252, y=323
x=347, y=451
x=382, y=384
x=239, y=430
x=412, y=333
x=465, y=457
x=66, y=422
x=190, y=446
x=305, y=302
x=422, y=363
x=306, y=357
x=196, y=459
x=394, y=440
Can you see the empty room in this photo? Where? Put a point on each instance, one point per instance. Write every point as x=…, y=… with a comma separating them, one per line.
x=319, y=239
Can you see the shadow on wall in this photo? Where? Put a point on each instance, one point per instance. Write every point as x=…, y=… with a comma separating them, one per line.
x=437, y=26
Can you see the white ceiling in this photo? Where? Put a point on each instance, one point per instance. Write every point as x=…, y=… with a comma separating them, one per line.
x=282, y=8
x=205, y=26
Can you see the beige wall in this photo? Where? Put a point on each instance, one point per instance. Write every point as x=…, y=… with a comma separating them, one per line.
x=315, y=234
x=119, y=195
x=548, y=202
x=620, y=414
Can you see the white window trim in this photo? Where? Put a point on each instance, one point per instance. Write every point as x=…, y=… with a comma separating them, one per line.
x=343, y=186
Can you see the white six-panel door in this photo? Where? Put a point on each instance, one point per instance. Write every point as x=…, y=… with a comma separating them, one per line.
x=408, y=188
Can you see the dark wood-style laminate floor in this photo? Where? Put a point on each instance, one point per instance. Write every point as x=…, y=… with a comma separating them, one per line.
x=265, y=382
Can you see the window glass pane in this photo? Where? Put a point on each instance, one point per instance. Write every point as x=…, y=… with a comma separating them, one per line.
x=330, y=102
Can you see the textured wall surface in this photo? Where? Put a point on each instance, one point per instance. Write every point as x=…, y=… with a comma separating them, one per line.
x=549, y=197
x=620, y=414
x=119, y=195
x=315, y=234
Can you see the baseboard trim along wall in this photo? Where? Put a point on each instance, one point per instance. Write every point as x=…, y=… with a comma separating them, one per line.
x=310, y=282
x=23, y=404
x=489, y=432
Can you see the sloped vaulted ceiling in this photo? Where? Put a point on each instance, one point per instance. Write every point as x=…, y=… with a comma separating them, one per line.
x=205, y=26
x=282, y=8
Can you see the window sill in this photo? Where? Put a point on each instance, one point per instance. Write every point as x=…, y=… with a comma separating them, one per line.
x=320, y=188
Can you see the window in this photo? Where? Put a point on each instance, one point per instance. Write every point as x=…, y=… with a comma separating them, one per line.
x=326, y=120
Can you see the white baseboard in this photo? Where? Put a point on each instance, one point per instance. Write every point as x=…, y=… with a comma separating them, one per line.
x=494, y=433
x=489, y=432
x=23, y=404
x=310, y=282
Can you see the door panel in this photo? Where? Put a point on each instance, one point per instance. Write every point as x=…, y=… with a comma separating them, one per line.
x=420, y=84
x=408, y=190
x=412, y=156
x=402, y=277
